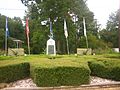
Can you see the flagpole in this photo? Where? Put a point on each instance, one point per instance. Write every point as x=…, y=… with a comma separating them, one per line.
x=86, y=42
x=5, y=43
x=28, y=45
x=67, y=46
x=85, y=32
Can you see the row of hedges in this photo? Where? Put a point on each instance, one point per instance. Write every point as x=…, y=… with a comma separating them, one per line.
x=109, y=69
x=46, y=76
x=54, y=74
x=59, y=76
x=14, y=72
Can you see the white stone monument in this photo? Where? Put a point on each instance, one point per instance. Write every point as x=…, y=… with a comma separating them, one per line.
x=51, y=48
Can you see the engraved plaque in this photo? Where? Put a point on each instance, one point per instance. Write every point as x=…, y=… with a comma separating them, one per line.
x=51, y=50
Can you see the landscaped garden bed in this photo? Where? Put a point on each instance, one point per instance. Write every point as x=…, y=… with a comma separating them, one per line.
x=61, y=71
x=109, y=69
x=61, y=76
x=14, y=72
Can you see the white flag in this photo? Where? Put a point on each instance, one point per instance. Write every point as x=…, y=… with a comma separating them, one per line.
x=84, y=27
x=65, y=29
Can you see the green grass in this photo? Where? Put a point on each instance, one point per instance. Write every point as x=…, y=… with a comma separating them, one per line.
x=56, y=61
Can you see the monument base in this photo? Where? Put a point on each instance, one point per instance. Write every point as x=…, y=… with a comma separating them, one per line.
x=84, y=51
x=15, y=51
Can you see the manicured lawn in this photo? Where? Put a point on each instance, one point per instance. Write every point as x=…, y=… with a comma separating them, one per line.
x=59, y=59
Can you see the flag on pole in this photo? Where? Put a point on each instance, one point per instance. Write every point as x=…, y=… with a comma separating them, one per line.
x=50, y=27
x=65, y=29
x=6, y=36
x=27, y=28
x=51, y=31
x=84, y=27
x=85, y=32
x=27, y=33
x=7, y=32
x=66, y=35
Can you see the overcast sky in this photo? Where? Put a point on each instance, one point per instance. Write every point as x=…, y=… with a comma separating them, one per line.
x=101, y=8
x=12, y=8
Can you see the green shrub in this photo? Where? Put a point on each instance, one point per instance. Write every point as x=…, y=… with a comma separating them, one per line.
x=14, y=72
x=100, y=51
x=60, y=76
x=115, y=73
x=106, y=68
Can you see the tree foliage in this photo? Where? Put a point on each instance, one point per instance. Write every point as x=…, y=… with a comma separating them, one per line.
x=56, y=11
x=2, y=35
x=15, y=28
x=110, y=34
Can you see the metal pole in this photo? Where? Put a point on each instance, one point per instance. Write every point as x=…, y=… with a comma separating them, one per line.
x=67, y=46
x=86, y=42
x=28, y=44
x=5, y=43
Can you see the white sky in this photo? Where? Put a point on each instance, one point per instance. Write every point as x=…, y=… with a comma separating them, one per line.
x=12, y=8
x=101, y=8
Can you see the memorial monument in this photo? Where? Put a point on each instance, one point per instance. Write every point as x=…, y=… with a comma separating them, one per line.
x=51, y=47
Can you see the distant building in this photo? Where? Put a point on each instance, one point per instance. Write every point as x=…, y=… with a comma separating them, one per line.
x=116, y=50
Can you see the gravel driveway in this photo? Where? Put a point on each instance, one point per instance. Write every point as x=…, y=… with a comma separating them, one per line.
x=29, y=82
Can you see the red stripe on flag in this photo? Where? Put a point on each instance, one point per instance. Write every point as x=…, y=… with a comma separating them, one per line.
x=27, y=33
x=27, y=27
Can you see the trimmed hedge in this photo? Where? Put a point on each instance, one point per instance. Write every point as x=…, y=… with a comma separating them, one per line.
x=109, y=69
x=60, y=76
x=14, y=72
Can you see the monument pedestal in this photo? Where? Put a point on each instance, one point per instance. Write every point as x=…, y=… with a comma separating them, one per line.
x=51, y=48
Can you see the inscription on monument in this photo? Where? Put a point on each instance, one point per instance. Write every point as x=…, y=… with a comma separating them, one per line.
x=51, y=50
